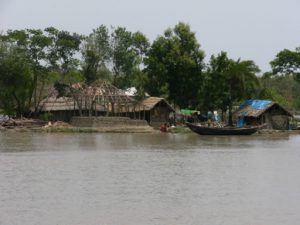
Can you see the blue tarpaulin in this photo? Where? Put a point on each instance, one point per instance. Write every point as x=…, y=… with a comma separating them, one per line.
x=241, y=122
x=256, y=104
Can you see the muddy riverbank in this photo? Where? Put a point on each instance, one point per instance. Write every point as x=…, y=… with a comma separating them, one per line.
x=105, y=126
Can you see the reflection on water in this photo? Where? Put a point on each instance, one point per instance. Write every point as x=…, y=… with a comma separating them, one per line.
x=135, y=179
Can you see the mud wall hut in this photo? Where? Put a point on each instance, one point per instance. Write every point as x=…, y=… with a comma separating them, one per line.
x=263, y=112
x=156, y=110
x=64, y=108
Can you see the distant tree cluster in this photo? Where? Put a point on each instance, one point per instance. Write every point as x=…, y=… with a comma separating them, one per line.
x=33, y=61
x=29, y=61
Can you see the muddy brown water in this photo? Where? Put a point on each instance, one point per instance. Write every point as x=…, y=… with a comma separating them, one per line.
x=151, y=179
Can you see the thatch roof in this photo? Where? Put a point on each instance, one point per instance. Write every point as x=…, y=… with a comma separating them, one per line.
x=62, y=104
x=106, y=97
x=57, y=104
x=151, y=102
x=255, y=108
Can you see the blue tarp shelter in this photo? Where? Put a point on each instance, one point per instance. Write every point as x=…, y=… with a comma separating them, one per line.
x=261, y=112
x=255, y=104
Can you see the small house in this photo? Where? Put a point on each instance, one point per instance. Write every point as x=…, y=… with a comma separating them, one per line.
x=262, y=112
x=99, y=99
x=64, y=108
x=157, y=110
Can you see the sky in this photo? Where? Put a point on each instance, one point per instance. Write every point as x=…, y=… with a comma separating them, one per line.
x=251, y=30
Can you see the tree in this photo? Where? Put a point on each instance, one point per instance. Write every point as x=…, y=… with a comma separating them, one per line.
x=34, y=45
x=242, y=82
x=281, y=89
x=15, y=80
x=287, y=62
x=116, y=55
x=228, y=81
x=128, y=52
x=63, y=49
x=63, y=64
x=96, y=55
x=48, y=52
x=174, y=66
x=214, y=89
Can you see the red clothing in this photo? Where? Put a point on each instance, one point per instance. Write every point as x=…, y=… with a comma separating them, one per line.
x=163, y=128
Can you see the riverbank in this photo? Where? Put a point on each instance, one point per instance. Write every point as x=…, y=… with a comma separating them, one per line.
x=72, y=129
x=277, y=132
x=176, y=130
x=78, y=125
x=34, y=125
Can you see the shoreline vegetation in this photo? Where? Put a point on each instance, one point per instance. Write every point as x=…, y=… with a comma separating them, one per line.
x=39, y=64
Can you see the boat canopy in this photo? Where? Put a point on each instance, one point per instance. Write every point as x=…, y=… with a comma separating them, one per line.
x=187, y=112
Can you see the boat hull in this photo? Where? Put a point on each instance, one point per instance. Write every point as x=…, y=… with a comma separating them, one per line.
x=221, y=130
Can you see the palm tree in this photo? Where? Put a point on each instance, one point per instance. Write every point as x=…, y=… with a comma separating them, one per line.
x=242, y=82
x=227, y=81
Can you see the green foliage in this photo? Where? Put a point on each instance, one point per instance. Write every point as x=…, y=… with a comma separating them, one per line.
x=96, y=54
x=242, y=79
x=15, y=80
x=139, y=81
x=128, y=50
x=62, y=50
x=64, y=84
x=296, y=103
x=32, y=61
x=287, y=62
x=281, y=89
x=174, y=66
x=214, y=90
x=47, y=52
x=242, y=82
x=116, y=55
x=227, y=81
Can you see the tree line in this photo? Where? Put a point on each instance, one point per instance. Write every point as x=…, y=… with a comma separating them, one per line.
x=32, y=61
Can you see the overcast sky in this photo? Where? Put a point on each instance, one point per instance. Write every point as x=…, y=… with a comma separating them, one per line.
x=249, y=29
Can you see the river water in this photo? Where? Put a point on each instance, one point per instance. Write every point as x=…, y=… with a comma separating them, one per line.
x=148, y=179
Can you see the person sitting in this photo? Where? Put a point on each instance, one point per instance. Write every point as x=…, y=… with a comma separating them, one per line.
x=164, y=127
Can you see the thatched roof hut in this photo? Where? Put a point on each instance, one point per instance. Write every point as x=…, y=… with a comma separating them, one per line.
x=157, y=110
x=152, y=102
x=57, y=104
x=258, y=112
x=100, y=98
x=64, y=108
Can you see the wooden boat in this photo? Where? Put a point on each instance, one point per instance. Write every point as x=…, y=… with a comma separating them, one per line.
x=221, y=130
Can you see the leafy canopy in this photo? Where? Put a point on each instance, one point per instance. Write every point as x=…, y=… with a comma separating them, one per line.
x=174, y=66
x=287, y=62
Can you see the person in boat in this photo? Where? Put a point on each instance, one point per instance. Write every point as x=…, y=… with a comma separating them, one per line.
x=209, y=118
x=209, y=122
x=164, y=127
